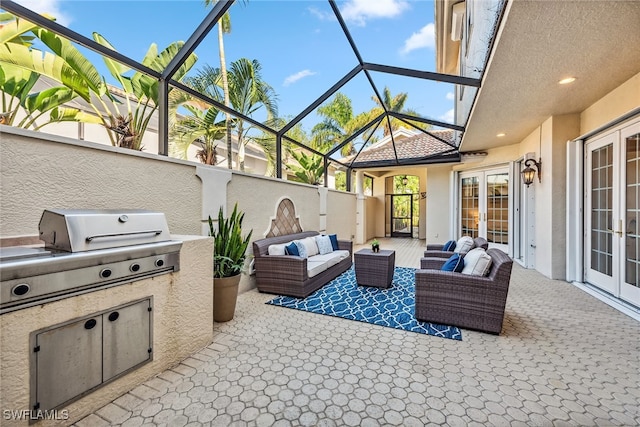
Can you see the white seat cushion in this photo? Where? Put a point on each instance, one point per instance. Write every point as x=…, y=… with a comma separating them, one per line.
x=342, y=253
x=316, y=267
x=464, y=245
x=477, y=262
x=331, y=259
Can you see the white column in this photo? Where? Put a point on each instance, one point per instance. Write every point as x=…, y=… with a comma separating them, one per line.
x=324, y=192
x=214, y=193
x=361, y=213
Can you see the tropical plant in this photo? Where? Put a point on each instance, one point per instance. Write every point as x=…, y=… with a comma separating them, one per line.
x=22, y=66
x=224, y=26
x=335, y=126
x=393, y=104
x=310, y=168
x=201, y=126
x=248, y=93
x=229, y=247
x=140, y=92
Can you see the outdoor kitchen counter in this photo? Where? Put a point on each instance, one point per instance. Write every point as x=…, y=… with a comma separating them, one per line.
x=182, y=324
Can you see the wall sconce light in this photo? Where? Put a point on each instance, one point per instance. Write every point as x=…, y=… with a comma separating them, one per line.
x=528, y=174
x=405, y=180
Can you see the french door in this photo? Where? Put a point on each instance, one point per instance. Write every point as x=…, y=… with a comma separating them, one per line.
x=402, y=215
x=484, y=206
x=612, y=213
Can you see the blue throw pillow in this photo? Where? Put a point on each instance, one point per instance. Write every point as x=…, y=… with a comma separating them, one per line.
x=334, y=241
x=449, y=246
x=291, y=249
x=454, y=263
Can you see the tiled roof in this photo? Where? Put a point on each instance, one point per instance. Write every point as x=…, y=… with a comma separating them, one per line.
x=412, y=147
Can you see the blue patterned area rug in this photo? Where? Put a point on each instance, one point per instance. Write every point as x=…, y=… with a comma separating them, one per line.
x=392, y=307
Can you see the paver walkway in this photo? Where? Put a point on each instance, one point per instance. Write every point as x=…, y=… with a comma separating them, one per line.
x=563, y=359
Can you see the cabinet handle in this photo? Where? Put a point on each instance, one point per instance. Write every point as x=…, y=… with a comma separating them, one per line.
x=114, y=316
x=90, y=324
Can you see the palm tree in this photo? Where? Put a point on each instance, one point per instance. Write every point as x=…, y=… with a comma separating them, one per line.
x=224, y=26
x=394, y=104
x=248, y=93
x=201, y=126
x=337, y=124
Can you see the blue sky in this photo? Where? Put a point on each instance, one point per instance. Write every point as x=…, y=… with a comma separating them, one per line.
x=298, y=42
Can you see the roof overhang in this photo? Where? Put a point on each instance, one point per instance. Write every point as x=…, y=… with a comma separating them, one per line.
x=539, y=43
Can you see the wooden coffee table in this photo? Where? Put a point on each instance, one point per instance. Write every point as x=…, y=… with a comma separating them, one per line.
x=374, y=268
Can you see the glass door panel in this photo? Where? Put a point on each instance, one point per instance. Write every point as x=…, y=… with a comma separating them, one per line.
x=469, y=206
x=630, y=287
x=498, y=208
x=602, y=209
x=484, y=206
x=401, y=215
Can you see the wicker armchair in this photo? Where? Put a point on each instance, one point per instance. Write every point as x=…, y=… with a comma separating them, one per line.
x=435, y=250
x=471, y=302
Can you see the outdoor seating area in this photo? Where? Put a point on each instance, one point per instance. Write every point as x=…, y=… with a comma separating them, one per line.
x=552, y=365
x=469, y=301
x=341, y=213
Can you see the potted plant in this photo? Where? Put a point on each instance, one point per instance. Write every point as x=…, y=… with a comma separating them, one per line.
x=375, y=245
x=229, y=253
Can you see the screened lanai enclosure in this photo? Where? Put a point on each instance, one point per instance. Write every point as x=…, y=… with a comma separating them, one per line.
x=310, y=91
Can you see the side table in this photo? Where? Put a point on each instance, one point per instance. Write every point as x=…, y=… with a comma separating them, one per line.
x=374, y=268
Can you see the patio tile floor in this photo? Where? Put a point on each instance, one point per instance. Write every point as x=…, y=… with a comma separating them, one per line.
x=563, y=359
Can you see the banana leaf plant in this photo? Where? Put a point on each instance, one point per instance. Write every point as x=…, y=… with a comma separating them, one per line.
x=140, y=90
x=21, y=66
x=310, y=169
x=229, y=247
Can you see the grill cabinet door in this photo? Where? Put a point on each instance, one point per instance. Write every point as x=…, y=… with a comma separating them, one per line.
x=68, y=362
x=127, y=338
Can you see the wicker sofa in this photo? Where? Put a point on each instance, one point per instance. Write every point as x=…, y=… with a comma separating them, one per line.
x=288, y=274
x=435, y=249
x=471, y=302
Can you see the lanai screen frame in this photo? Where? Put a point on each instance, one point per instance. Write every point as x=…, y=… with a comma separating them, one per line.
x=218, y=10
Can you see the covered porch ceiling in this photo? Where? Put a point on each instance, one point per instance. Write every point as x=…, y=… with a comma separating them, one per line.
x=540, y=43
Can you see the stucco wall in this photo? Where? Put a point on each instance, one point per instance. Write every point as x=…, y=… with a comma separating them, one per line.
x=341, y=214
x=372, y=211
x=258, y=198
x=177, y=333
x=621, y=100
x=59, y=172
x=438, y=202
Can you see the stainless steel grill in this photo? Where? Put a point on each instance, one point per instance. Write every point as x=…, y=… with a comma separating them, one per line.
x=86, y=250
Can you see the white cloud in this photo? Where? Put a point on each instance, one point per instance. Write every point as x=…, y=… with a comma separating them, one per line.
x=297, y=76
x=50, y=7
x=322, y=16
x=450, y=96
x=447, y=117
x=425, y=37
x=359, y=11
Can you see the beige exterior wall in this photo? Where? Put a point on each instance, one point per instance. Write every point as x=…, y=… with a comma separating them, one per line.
x=372, y=211
x=258, y=198
x=59, y=172
x=174, y=335
x=619, y=101
x=439, y=198
x=341, y=214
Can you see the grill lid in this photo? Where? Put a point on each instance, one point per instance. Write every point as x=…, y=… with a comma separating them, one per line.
x=80, y=230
